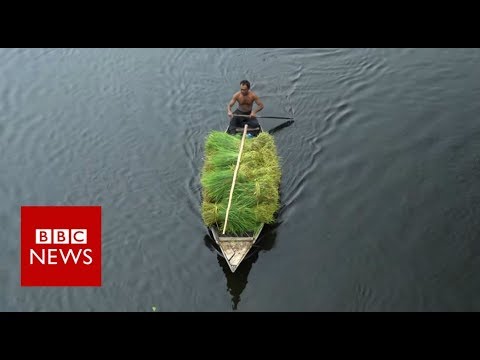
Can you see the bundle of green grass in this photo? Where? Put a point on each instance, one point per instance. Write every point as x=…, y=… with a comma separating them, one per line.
x=255, y=198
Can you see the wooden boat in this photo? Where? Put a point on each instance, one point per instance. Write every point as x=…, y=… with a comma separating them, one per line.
x=235, y=249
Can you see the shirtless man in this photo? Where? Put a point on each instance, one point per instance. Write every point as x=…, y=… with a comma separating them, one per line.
x=245, y=98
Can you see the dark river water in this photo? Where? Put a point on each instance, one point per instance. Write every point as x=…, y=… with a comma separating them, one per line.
x=380, y=189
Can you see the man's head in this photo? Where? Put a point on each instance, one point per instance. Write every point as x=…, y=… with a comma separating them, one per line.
x=244, y=87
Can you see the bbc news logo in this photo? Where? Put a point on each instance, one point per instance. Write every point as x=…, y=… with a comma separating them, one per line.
x=61, y=246
x=61, y=236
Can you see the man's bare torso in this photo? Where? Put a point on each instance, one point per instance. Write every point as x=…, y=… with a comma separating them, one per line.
x=245, y=102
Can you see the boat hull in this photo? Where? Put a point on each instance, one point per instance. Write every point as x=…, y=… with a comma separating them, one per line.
x=235, y=249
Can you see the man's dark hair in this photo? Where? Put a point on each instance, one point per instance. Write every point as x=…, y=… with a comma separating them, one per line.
x=245, y=82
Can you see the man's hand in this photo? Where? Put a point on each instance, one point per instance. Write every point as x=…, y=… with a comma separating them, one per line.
x=252, y=114
x=229, y=114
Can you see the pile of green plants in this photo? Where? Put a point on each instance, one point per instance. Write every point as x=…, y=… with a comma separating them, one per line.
x=255, y=197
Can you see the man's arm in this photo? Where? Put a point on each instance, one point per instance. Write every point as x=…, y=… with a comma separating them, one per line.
x=231, y=103
x=259, y=106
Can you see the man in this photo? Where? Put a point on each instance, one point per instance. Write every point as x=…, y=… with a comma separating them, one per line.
x=245, y=98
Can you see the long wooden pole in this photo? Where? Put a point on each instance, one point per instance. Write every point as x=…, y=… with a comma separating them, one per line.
x=235, y=177
x=264, y=117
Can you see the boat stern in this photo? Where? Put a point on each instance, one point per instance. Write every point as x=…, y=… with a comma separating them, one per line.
x=235, y=249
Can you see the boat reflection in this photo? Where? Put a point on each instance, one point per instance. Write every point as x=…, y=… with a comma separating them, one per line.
x=237, y=281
